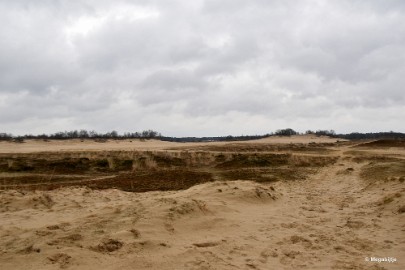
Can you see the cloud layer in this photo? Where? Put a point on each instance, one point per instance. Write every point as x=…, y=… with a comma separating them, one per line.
x=202, y=68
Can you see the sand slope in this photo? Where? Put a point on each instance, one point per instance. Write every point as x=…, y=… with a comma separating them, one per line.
x=32, y=146
x=332, y=220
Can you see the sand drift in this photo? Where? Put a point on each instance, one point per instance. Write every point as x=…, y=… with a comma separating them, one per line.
x=298, y=204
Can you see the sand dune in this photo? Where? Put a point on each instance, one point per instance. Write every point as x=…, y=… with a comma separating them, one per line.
x=334, y=219
x=32, y=146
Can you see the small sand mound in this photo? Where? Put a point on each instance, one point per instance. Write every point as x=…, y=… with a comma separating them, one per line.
x=61, y=258
x=30, y=249
x=250, y=192
x=17, y=200
x=239, y=190
x=108, y=245
x=355, y=224
x=189, y=207
x=73, y=237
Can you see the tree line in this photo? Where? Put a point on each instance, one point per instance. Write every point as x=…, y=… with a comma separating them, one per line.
x=371, y=135
x=151, y=134
x=84, y=134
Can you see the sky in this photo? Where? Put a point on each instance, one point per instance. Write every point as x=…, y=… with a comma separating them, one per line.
x=202, y=67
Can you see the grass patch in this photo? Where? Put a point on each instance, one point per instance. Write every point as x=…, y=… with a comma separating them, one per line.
x=168, y=161
x=171, y=179
x=385, y=171
x=255, y=160
x=20, y=181
x=148, y=171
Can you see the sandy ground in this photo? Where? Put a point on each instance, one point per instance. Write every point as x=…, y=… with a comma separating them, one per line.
x=31, y=146
x=332, y=220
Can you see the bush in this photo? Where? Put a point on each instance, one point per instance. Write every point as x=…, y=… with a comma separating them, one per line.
x=286, y=132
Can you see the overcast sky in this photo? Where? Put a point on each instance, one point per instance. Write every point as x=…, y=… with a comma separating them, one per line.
x=202, y=68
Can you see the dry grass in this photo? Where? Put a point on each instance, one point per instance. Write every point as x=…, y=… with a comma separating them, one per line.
x=367, y=157
x=384, y=170
x=272, y=167
x=170, y=179
x=140, y=171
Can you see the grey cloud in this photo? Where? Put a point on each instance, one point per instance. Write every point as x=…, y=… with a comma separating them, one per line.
x=207, y=66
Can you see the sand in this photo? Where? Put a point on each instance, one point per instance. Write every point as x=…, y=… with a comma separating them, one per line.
x=32, y=146
x=331, y=220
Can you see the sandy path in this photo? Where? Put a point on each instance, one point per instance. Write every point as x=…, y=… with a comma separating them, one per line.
x=332, y=220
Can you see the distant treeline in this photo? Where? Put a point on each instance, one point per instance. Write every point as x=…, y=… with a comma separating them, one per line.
x=358, y=135
x=151, y=134
x=84, y=134
x=376, y=135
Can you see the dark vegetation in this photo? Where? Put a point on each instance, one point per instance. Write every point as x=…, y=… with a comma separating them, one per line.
x=359, y=136
x=148, y=171
x=255, y=160
x=169, y=179
x=83, y=134
x=367, y=136
x=383, y=143
x=271, y=167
